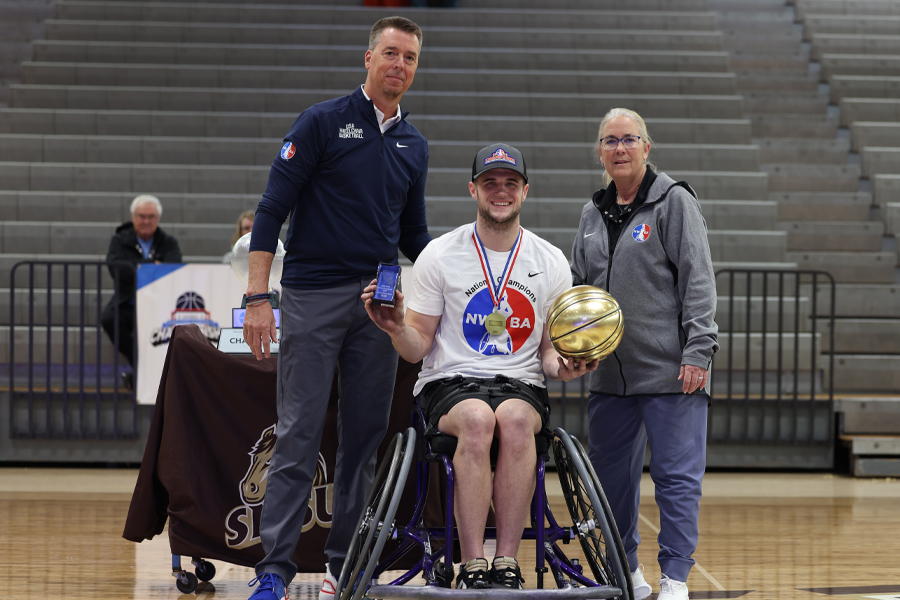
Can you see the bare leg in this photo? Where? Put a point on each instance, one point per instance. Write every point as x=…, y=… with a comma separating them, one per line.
x=514, y=478
x=472, y=422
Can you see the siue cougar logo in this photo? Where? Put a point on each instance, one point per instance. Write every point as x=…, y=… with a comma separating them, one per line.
x=519, y=314
x=641, y=232
x=242, y=523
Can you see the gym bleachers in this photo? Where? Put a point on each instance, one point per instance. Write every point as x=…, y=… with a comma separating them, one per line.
x=104, y=108
x=857, y=45
x=189, y=101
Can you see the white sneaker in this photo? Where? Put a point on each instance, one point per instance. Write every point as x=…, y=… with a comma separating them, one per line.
x=642, y=589
x=329, y=585
x=669, y=589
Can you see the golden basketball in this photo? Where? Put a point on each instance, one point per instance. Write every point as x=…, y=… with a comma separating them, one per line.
x=585, y=322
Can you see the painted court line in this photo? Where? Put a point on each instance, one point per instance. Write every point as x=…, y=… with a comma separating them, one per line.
x=703, y=571
x=211, y=592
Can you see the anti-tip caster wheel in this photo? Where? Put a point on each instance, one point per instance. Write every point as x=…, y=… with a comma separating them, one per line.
x=205, y=570
x=185, y=581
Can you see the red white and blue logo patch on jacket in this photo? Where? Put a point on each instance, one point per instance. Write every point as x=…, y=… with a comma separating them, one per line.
x=641, y=232
x=288, y=150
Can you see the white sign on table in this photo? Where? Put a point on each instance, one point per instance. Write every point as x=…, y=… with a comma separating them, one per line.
x=170, y=295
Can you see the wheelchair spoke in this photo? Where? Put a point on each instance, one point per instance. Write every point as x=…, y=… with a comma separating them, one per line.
x=377, y=522
x=591, y=522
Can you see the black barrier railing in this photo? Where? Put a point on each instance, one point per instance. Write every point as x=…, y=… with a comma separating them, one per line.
x=773, y=317
x=65, y=393
x=569, y=406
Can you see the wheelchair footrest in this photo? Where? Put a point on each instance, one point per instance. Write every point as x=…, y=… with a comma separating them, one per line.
x=433, y=592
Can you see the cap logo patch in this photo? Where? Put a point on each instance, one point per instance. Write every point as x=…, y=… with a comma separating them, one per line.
x=288, y=150
x=500, y=155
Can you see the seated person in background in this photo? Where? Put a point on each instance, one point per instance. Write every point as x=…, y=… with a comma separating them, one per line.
x=243, y=227
x=476, y=314
x=140, y=240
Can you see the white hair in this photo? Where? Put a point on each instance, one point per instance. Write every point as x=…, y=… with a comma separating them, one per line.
x=146, y=199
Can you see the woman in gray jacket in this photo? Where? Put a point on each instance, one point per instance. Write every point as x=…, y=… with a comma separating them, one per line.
x=643, y=240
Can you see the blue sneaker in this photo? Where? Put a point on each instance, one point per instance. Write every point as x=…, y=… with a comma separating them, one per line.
x=271, y=587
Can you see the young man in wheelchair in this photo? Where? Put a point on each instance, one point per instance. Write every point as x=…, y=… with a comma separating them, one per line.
x=476, y=312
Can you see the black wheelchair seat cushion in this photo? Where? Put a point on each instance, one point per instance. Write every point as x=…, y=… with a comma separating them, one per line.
x=441, y=443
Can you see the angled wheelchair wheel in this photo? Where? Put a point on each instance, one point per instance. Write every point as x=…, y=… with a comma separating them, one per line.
x=607, y=512
x=591, y=517
x=376, y=524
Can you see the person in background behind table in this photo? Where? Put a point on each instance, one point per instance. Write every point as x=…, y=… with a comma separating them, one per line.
x=643, y=240
x=140, y=240
x=351, y=176
x=243, y=227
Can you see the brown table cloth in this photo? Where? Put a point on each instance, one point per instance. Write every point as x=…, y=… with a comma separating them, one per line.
x=211, y=436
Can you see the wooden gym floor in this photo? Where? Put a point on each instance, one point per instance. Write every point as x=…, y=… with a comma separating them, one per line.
x=777, y=536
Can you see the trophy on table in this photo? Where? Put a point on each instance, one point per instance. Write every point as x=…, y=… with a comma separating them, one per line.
x=231, y=340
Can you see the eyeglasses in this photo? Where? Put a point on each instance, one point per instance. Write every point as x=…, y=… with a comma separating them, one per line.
x=629, y=141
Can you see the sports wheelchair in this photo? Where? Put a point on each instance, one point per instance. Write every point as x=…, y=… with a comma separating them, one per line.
x=592, y=525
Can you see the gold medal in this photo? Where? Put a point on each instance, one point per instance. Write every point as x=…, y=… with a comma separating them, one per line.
x=495, y=323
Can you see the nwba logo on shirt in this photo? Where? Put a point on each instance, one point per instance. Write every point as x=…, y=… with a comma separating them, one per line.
x=519, y=314
x=350, y=131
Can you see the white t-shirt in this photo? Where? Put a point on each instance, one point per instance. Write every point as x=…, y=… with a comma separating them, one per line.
x=448, y=280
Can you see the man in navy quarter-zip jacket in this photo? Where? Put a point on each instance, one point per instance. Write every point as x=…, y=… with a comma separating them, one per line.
x=351, y=176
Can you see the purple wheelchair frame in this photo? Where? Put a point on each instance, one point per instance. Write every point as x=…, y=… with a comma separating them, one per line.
x=415, y=535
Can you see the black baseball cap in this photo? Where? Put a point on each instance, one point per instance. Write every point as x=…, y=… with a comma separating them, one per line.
x=499, y=156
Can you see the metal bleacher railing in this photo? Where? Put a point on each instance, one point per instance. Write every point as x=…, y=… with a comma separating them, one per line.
x=773, y=383
x=71, y=388
x=772, y=379
x=770, y=385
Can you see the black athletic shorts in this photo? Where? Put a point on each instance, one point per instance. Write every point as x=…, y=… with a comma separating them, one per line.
x=438, y=397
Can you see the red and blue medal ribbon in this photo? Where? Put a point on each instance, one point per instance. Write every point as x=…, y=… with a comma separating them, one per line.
x=499, y=289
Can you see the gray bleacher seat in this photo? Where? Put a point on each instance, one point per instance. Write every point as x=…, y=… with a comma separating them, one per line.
x=49, y=121
x=427, y=80
x=113, y=207
x=880, y=161
x=683, y=106
x=445, y=57
x=847, y=43
x=869, y=109
x=886, y=188
x=70, y=237
x=808, y=8
x=863, y=86
x=603, y=37
x=859, y=64
x=349, y=15
x=873, y=133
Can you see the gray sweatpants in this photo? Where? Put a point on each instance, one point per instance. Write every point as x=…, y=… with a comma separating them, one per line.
x=321, y=328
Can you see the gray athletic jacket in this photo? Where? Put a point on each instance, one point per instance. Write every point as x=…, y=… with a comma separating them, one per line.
x=661, y=274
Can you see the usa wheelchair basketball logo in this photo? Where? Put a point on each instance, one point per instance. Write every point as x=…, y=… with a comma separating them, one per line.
x=288, y=150
x=519, y=314
x=641, y=232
